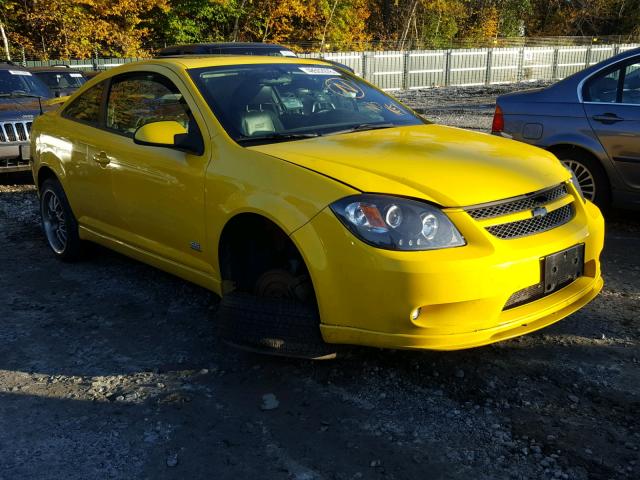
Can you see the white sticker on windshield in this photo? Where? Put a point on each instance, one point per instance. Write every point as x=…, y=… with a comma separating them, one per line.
x=76, y=75
x=20, y=72
x=318, y=71
x=287, y=53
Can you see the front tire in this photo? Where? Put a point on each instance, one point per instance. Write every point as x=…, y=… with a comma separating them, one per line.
x=58, y=222
x=274, y=326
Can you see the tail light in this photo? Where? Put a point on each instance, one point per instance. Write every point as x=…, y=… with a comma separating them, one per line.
x=498, y=121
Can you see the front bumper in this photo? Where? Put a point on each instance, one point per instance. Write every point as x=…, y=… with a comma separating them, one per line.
x=12, y=157
x=366, y=295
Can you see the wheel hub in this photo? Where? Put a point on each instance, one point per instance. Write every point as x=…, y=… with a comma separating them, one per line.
x=283, y=284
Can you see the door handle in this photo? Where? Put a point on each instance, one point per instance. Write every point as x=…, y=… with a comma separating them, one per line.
x=607, y=118
x=101, y=158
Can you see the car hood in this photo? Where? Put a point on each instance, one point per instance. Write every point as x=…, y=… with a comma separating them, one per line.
x=19, y=109
x=445, y=165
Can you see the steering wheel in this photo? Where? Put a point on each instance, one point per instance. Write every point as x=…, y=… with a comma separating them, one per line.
x=322, y=105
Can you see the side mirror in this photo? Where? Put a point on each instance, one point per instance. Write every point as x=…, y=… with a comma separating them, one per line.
x=159, y=134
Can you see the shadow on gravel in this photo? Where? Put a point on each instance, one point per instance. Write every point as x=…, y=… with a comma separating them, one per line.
x=16, y=178
x=110, y=368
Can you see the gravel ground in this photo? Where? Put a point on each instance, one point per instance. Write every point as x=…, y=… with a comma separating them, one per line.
x=464, y=107
x=111, y=369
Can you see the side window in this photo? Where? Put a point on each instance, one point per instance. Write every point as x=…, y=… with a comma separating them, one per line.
x=603, y=88
x=86, y=108
x=141, y=98
x=631, y=84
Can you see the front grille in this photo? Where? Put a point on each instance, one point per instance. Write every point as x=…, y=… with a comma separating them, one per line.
x=518, y=204
x=533, y=225
x=526, y=295
x=14, y=131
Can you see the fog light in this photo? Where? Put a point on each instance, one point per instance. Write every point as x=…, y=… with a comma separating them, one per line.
x=415, y=314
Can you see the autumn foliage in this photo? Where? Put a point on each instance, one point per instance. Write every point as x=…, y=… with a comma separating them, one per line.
x=83, y=28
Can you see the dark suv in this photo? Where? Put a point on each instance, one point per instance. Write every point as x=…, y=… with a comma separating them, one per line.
x=21, y=96
x=237, y=48
x=61, y=80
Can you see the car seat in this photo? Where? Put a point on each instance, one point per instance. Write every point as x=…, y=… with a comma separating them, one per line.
x=259, y=122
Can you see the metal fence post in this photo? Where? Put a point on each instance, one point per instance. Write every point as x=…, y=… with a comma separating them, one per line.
x=365, y=73
x=520, y=65
x=447, y=68
x=554, y=63
x=587, y=61
x=487, y=78
x=405, y=70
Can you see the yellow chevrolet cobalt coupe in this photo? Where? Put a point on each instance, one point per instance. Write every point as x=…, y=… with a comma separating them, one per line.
x=322, y=210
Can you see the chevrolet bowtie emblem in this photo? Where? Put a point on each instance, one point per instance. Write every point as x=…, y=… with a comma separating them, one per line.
x=539, y=212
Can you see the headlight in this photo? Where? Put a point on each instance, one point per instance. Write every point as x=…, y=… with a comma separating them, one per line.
x=575, y=182
x=397, y=223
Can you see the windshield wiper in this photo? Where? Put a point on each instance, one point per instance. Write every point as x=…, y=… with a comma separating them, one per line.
x=276, y=137
x=21, y=94
x=361, y=127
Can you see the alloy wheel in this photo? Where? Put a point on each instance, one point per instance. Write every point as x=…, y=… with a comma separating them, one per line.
x=54, y=222
x=585, y=178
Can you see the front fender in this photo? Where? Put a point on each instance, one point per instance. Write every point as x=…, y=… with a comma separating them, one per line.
x=240, y=181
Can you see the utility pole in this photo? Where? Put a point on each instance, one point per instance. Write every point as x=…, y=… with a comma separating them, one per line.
x=5, y=42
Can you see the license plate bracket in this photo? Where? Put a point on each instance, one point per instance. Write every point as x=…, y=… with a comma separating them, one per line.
x=563, y=267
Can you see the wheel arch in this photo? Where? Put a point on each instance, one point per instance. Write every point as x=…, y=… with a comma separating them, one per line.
x=44, y=173
x=558, y=148
x=259, y=234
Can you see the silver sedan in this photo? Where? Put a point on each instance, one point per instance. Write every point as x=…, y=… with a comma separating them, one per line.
x=590, y=121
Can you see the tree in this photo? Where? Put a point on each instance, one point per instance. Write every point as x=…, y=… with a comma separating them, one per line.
x=76, y=28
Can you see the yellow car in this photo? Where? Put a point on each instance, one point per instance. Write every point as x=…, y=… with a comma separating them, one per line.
x=322, y=210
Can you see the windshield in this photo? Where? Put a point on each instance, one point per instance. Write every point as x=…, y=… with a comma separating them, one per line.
x=61, y=80
x=280, y=102
x=21, y=82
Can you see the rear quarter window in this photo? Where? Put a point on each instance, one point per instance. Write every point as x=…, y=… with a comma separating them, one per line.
x=86, y=108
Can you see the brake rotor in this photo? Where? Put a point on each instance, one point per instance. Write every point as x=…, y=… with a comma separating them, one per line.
x=283, y=284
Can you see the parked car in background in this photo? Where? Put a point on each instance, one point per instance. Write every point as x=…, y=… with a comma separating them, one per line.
x=590, y=121
x=89, y=74
x=319, y=207
x=21, y=100
x=61, y=80
x=237, y=48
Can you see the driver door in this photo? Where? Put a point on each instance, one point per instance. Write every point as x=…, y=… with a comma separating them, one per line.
x=158, y=192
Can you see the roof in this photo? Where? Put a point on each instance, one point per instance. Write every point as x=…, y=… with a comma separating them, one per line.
x=200, y=61
x=230, y=45
x=60, y=69
x=203, y=47
x=10, y=66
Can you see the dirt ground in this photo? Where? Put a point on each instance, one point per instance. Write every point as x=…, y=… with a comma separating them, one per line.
x=111, y=369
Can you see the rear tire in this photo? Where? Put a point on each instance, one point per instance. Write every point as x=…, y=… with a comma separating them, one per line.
x=58, y=222
x=591, y=176
x=275, y=326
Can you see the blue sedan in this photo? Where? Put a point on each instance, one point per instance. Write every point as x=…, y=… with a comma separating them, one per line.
x=590, y=121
